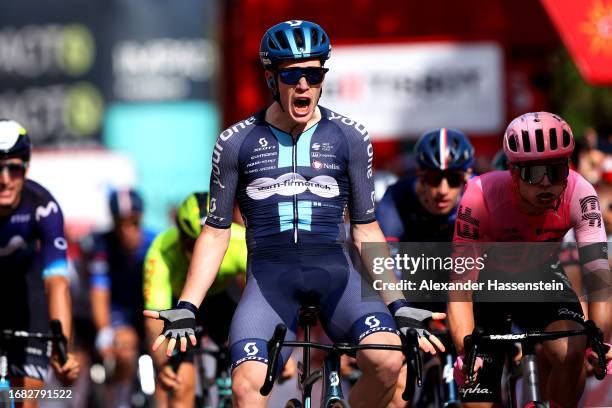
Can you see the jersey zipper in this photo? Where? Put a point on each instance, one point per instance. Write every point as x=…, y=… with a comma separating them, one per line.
x=295, y=202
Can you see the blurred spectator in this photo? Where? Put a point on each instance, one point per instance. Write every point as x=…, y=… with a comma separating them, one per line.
x=589, y=158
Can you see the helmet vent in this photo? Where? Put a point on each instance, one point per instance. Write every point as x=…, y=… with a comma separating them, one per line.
x=566, y=138
x=271, y=44
x=553, y=139
x=281, y=40
x=299, y=37
x=539, y=134
x=314, y=38
x=526, y=142
x=512, y=143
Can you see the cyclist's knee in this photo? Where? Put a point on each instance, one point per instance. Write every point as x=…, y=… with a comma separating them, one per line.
x=385, y=364
x=247, y=379
x=568, y=350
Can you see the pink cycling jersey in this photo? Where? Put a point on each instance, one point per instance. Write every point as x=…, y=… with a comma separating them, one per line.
x=488, y=212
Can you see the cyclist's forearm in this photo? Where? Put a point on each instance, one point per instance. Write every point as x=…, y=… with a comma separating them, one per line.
x=100, y=307
x=461, y=322
x=601, y=314
x=207, y=257
x=57, y=289
x=371, y=233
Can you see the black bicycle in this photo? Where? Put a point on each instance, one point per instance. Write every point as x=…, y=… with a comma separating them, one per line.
x=529, y=368
x=7, y=336
x=331, y=395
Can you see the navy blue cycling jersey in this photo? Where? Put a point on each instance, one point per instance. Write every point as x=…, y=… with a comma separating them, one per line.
x=32, y=248
x=402, y=218
x=121, y=272
x=293, y=190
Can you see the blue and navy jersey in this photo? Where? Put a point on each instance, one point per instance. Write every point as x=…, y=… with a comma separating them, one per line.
x=293, y=190
x=34, y=231
x=402, y=218
x=32, y=248
x=119, y=271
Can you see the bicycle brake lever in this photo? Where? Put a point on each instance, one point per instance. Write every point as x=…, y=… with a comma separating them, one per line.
x=60, y=341
x=414, y=364
x=595, y=338
x=472, y=343
x=274, y=348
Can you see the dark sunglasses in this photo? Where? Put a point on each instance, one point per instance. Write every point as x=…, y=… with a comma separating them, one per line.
x=556, y=173
x=434, y=178
x=291, y=76
x=15, y=170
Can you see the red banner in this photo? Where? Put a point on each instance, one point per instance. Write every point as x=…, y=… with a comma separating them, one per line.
x=586, y=29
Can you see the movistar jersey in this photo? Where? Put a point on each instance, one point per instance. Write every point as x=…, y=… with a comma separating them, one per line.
x=402, y=218
x=293, y=190
x=166, y=264
x=32, y=247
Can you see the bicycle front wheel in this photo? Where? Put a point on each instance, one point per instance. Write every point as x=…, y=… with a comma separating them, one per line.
x=293, y=403
x=338, y=404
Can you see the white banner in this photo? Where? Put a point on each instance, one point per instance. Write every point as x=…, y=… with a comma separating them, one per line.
x=81, y=181
x=402, y=90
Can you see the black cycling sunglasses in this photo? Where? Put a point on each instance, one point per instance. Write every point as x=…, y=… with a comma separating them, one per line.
x=434, y=177
x=534, y=174
x=15, y=170
x=291, y=76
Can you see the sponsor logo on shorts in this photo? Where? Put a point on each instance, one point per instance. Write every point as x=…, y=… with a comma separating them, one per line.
x=372, y=322
x=251, y=349
x=564, y=311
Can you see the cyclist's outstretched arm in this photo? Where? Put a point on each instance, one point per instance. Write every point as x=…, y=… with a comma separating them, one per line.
x=208, y=254
x=461, y=322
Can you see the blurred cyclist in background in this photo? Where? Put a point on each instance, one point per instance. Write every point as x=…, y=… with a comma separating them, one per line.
x=115, y=261
x=423, y=207
x=165, y=272
x=33, y=264
x=537, y=200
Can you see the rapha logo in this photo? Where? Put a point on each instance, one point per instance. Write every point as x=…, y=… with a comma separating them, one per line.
x=372, y=322
x=251, y=349
x=564, y=311
x=474, y=390
x=44, y=212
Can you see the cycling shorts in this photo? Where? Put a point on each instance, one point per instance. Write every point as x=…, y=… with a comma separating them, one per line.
x=281, y=280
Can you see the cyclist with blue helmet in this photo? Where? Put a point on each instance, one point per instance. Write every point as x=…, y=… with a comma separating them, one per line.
x=33, y=264
x=422, y=208
x=295, y=169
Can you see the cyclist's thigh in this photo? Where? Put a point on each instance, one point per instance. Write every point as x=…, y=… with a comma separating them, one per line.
x=257, y=315
x=345, y=316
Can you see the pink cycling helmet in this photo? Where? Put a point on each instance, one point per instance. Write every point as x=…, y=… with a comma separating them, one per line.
x=538, y=136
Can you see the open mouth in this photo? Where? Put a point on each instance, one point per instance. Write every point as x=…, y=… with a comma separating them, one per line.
x=301, y=104
x=545, y=196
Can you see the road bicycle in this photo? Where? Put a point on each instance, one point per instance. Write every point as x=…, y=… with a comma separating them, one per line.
x=332, y=395
x=529, y=368
x=8, y=336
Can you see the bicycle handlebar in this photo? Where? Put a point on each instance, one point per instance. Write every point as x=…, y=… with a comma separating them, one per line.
x=56, y=336
x=477, y=338
x=410, y=349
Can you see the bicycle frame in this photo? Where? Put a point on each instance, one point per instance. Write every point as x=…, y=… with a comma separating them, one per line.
x=330, y=372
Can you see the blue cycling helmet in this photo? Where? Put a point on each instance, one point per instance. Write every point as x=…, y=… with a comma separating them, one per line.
x=14, y=141
x=443, y=149
x=125, y=202
x=293, y=40
x=500, y=161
